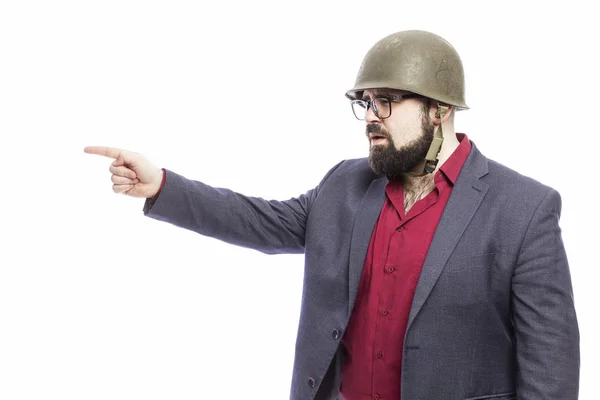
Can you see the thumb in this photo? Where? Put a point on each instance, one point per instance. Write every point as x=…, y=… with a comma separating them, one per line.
x=119, y=161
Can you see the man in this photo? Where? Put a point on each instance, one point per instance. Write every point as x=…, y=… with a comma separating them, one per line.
x=431, y=271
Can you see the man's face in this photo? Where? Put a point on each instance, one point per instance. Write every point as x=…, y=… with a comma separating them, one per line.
x=399, y=143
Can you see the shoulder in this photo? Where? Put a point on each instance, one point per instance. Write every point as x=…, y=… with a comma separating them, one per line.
x=350, y=176
x=517, y=188
x=504, y=175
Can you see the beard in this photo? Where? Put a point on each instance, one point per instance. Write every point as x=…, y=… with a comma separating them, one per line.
x=394, y=163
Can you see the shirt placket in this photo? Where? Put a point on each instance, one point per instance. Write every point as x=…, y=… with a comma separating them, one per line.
x=386, y=268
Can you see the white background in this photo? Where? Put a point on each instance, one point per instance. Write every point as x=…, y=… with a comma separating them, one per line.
x=99, y=302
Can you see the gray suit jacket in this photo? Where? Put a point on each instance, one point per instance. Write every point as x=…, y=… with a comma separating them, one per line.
x=493, y=314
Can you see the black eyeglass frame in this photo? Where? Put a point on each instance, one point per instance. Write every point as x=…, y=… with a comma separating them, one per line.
x=390, y=99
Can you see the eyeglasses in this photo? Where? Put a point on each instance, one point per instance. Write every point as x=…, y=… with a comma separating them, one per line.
x=381, y=105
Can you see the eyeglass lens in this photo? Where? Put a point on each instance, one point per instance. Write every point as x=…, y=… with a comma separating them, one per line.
x=381, y=108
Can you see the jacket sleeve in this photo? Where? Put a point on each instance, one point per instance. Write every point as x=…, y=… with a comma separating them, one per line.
x=272, y=227
x=544, y=318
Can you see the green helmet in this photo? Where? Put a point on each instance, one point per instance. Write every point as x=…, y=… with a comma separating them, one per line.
x=416, y=61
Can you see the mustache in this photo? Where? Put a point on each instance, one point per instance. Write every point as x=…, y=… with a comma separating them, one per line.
x=375, y=128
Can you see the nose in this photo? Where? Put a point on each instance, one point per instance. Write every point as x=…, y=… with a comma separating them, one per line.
x=370, y=116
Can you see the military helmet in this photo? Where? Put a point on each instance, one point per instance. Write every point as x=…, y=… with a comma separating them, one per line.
x=416, y=61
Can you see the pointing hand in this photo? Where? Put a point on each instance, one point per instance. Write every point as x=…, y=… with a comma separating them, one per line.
x=133, y=174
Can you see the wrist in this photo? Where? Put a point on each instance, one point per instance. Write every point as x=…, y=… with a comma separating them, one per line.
x=160, y=183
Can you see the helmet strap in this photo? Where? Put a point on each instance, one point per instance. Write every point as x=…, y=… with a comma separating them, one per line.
x=431, y=159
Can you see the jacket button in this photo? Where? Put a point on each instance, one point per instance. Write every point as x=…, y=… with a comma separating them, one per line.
x=335, y=334
x=311, y=382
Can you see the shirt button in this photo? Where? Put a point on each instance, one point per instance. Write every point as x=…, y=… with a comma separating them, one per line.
x=390, y=269
x=400, y=228
x=376, y=397
x=335, y=334
x=379, y=354
x=384, y=312
x=311, y=382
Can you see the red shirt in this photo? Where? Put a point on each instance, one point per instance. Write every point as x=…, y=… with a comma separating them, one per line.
x=374, y=338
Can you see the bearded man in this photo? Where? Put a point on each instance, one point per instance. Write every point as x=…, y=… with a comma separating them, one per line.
x=431, y=271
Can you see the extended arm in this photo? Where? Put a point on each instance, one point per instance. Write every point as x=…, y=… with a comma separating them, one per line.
x=267, y=226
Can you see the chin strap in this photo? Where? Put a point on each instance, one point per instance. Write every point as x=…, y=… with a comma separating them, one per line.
x=431, y=159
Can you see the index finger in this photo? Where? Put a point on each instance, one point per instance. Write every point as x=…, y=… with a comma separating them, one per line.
x=111, y=152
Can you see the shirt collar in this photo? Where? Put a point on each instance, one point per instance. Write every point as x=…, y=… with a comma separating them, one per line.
x=452, y=166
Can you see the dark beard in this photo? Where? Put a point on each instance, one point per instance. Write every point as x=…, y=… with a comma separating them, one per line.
x=386, y=159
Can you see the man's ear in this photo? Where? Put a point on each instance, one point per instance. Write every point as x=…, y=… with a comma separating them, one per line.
x=437, y=108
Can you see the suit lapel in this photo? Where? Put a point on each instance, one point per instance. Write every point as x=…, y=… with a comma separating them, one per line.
x=366, y=217
x=467, y=194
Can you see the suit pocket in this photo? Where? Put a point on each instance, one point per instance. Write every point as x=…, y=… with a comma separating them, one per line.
x=467, y=281
x=470, y=263
x=501, y=396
